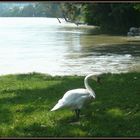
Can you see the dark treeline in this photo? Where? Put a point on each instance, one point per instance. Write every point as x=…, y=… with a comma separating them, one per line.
x=110, y=17
x=114, y=17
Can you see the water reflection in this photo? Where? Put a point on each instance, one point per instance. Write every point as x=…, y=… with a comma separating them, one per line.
x=44, y=45
x=101, y=58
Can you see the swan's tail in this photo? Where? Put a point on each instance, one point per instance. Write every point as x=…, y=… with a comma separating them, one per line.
x=57, y=106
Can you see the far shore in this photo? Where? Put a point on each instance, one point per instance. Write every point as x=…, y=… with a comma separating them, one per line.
x=104, y=38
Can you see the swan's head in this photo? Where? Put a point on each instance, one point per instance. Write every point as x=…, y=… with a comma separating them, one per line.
x=97, y=78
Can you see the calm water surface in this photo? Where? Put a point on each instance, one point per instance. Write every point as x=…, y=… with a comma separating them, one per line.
x=44, y=45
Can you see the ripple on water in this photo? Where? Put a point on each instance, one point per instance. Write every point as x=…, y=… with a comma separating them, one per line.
x=43, y=45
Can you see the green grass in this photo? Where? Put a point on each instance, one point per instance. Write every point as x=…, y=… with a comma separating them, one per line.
x=26, y=100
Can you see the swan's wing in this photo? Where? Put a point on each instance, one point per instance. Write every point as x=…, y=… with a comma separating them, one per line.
x=71, y=95
x=71, y=98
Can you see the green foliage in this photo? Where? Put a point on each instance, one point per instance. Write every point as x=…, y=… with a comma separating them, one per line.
x=26, y=100
x=113, y=17
x=137, y=6
x=72, y=11
x=88, y=13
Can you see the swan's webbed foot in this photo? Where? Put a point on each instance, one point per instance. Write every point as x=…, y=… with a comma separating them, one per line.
x=75, y=118
x=77, y=113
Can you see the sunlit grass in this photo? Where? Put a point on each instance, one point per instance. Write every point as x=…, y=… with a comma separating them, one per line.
x=26, y=100
x=116, y=112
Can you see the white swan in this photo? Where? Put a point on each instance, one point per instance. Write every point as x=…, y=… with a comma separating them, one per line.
x=76, y=98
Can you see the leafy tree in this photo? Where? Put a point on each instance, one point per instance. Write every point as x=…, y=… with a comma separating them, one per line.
x=112, y=17
x=72, y=11
x=137, y=6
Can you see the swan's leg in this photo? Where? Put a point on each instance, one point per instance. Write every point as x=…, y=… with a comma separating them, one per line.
x=77, y=112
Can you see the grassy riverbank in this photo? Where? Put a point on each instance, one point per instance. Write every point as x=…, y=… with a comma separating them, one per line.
x=26, y=100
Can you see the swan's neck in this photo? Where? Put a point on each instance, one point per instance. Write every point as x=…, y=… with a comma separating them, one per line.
x=92, y=93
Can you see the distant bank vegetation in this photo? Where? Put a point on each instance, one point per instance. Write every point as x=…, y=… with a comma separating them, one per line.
x=111, y=17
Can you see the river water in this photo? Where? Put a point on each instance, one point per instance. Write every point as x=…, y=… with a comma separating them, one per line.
x=44, y=45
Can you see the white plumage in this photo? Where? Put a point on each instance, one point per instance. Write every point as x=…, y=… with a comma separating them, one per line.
x=73, y=99
x=76, y=98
